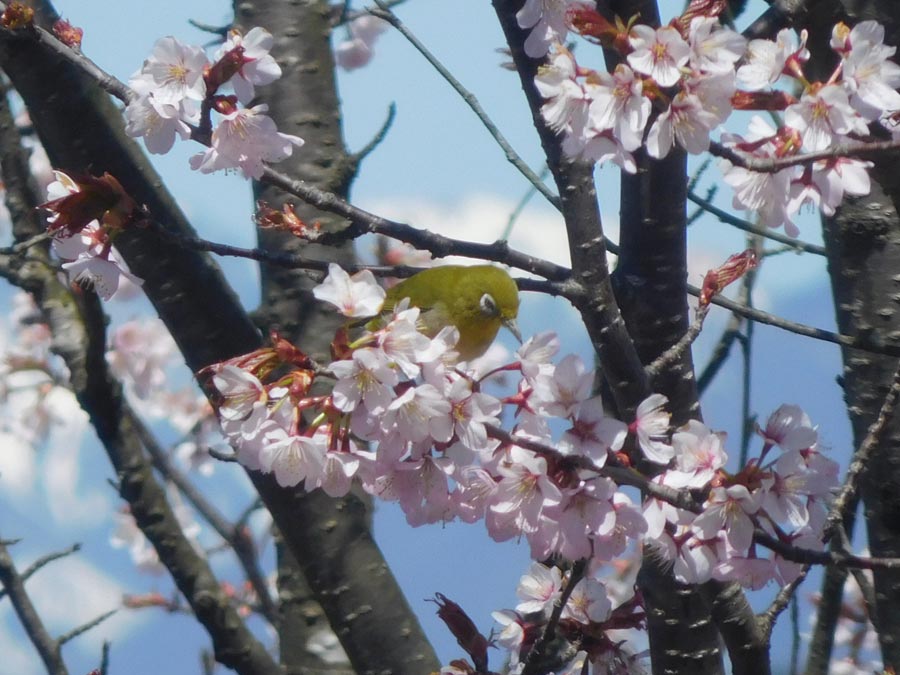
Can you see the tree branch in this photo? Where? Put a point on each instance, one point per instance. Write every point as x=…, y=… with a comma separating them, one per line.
x=46, y=646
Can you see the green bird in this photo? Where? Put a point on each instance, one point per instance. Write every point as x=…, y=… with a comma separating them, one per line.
x=478, y=300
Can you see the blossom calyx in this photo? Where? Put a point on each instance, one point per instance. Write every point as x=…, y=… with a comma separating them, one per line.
x=17, y=15
x=731, y=270
x=88, y=198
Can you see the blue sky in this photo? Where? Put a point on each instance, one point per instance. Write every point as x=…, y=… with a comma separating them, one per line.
x=438, y=168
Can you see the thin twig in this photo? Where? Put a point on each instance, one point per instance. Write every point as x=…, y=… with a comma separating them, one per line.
x=49, y=558
x=361, y=221
x=235, y=536
x=795, y=635
x=863, y=344
x=46, y=646
x=512, y=156
x=866, y=589
x=104, y=658
x=747, y=226
x=675, y=352
x=768, y=618
x=317, y=268
x=836, y=558
x=731, y=333
x=775, y=164
x=357, y=157
x=840, y=506
x=25, y=245
x=535, y=659
x=106, y=81
x=75, y=632
x=520, y=207
x=340, y=16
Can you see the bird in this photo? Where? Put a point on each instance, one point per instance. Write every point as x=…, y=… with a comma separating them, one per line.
x=476, y=299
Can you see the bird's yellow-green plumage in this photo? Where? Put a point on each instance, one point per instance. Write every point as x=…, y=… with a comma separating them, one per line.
x=478, y=300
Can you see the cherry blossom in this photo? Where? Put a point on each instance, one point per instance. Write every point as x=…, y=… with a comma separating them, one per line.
x=245, y=139
x=592, y=433
x=790, y=428
x=618, y=104
x=366, y=379
x=651, y=424
x=356, y=296
x=88, y=260
x=158, y=123
x=173, y=72
x=766, y=60
x=714, y=48
x=547, y=21
x=588, y=602
x=566, y=98
x=357, y=50
x=867, y=71
x=292, y=458
x=823, y=116
x=728, y=512
x=539, y=589
x=257, y=67
x=658, y=53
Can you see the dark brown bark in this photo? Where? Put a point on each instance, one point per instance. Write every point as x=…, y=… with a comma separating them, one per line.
x=379, y=632
x=863, y=242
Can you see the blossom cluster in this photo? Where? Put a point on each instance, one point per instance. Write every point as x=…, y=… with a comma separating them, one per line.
x=178, y=87
x=415, y=426
x=601, y=614
x=683, y=81
x=34, y=397
x=86, y=214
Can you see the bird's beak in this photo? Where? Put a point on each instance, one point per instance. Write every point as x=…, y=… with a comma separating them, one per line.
x=513, y=328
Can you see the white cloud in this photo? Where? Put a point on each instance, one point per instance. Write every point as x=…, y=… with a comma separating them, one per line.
x=538, y=231
x=71, y=592
x=18, y=654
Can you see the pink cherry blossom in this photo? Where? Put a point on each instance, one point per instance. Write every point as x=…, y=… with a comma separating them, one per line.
x=356, y=296
x=547, y=21
x=588, y=602
x=685, y=121
x=525, y=489
x=766, y=60
x=292, y=458
x=157, y=123
x=699, y=453
x=539, y=589
x=420, y=413
x=651, y=424
x=727, y=511
x=658, y=53
x=618, y=104
x=367, y=379
x=357, y=50
x=258, y=67
x=823, y=116
x=245, y=139
x=714, y=48
x=868, y=72
x=536, y=353
x=566, y=98
x=592, y=434
x=562, y=392
x=172, y=73
x=790, y=428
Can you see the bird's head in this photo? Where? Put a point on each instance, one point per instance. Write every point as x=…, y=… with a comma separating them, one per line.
x=488, y=299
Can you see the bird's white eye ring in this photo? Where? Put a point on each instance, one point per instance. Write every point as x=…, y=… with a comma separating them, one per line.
x=488, y=305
